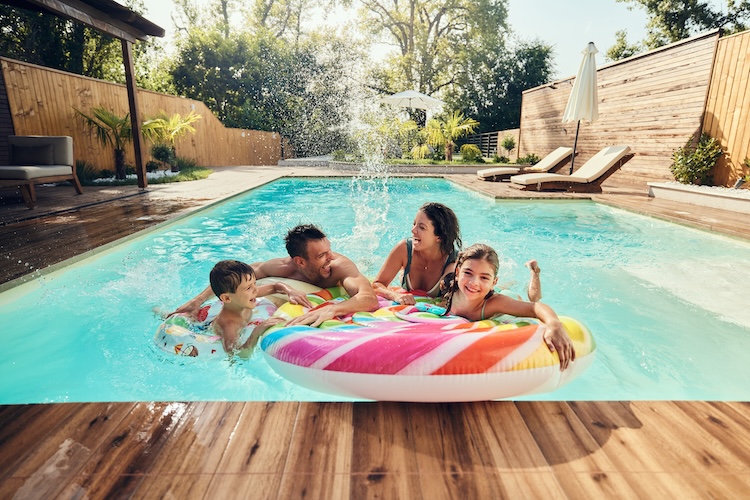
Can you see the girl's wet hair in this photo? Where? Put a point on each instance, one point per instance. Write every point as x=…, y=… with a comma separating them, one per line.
x=227, y=275
x=446, y=226
x=477, y=251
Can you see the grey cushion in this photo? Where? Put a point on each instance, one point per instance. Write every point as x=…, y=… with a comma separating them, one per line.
x=31, y=155
x=31, y=172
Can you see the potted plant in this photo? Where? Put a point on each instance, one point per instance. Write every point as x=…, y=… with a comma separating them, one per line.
x=164, y=130
x=110, y=130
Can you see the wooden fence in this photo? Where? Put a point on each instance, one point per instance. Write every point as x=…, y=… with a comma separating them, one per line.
x=42, y=101
x=727, y=116
x=653, y=102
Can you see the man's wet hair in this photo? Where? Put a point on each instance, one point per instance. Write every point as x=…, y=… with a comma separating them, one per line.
x=297, y=238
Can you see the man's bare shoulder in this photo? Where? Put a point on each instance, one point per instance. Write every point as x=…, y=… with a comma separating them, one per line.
x=282, y=267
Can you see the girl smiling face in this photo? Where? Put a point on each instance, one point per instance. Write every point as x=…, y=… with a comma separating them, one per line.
x=476, y=278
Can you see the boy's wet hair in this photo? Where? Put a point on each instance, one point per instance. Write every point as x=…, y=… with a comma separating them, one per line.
x=477, y=251
x=227, y=275
x=297, y=238
x=445, y=223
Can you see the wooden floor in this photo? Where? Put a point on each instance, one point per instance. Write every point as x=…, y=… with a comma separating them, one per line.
x=376, y=450
x=577, y=449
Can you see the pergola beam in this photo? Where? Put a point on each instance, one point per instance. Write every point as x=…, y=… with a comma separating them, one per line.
x=120, y=22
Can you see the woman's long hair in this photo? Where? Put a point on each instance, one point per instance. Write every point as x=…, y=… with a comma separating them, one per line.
x=476, y=251
x=445, y=223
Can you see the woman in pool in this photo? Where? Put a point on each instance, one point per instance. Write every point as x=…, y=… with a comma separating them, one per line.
x=470, y=295
x=425, y=258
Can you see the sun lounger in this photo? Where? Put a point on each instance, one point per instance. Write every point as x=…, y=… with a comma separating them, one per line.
x=38, y=159
x=550, y=163
x=587, y=179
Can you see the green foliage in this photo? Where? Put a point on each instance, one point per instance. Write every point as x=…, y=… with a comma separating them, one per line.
x=529, y=159
x=152, y=166
x=444, y=131
x=509, y=143
x=85, y=171
x=420, y=151
x=186, y=163
x=692, y=162
x=110, y=130
x=339, y=155
x=747, y=175
x=163, y=153
x=492, y=90
x=470, y=152
x=622, y=49
x=500, y=159
x=166, y=130
x=674, y=20
x=256, y=81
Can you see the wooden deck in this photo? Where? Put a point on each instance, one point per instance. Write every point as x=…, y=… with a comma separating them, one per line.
x=576, y=449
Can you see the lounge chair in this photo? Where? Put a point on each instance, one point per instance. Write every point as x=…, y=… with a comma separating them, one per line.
x=550, y=163
x=587, y=179
x=38, y=159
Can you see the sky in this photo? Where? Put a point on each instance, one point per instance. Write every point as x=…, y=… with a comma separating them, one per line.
x=566, y=25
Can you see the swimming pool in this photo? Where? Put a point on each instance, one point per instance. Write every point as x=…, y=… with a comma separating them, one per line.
x=667, y=304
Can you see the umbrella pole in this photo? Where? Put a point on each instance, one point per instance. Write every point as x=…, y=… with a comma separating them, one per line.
x=575, y=143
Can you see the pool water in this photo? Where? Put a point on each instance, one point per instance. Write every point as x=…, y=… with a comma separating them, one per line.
x=666, y=304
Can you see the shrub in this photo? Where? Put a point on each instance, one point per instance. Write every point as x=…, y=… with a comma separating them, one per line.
x=500, y=159
x=86, y=172
x=692, y=163
x=470, y=152
x=182, y=162
x=339, y=155
x=529, y=159
x=106, y=174
x=152, y=166
x=163, y=153
x=509, y=143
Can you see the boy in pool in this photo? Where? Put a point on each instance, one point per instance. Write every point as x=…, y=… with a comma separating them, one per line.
x=234, y=283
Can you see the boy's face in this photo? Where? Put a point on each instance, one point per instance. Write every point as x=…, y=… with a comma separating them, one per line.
x=244, y=296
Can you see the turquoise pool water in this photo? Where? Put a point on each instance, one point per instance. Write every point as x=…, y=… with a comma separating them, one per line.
x=667, y=304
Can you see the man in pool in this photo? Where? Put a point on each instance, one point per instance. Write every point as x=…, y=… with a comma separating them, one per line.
x=312, y=261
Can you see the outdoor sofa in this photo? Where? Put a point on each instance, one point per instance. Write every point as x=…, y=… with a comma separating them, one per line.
x=38, y=159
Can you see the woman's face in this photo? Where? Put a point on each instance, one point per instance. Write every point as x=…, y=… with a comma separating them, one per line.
x=476, y=277
x=423, y=232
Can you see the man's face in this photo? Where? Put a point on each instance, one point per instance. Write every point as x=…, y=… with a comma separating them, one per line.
x=319, y=257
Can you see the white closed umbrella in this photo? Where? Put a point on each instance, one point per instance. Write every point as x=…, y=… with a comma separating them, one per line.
x=583, y=103
x=413, y=99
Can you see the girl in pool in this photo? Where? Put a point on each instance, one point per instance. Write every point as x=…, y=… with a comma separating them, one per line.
x=425, y=258
x=470, y=294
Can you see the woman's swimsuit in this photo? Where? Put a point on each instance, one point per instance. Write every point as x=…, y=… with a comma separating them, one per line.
x=406, y=282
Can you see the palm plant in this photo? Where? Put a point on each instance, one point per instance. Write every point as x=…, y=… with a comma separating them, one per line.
x=165, y=130
x=445, y=131
x=110, y=130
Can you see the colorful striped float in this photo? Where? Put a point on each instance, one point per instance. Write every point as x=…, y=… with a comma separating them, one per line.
x=408, y=353
x=183, y=336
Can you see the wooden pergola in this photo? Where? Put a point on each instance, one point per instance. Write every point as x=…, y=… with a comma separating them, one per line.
x=115, y=20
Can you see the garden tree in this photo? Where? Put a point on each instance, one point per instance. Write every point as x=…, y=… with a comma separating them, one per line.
x=444, y=131
x=55, y=42
x=673, y=20
x=110, y=130
x=492, y=90
x=434, y=38
x=622, y=49
x=259, y=82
